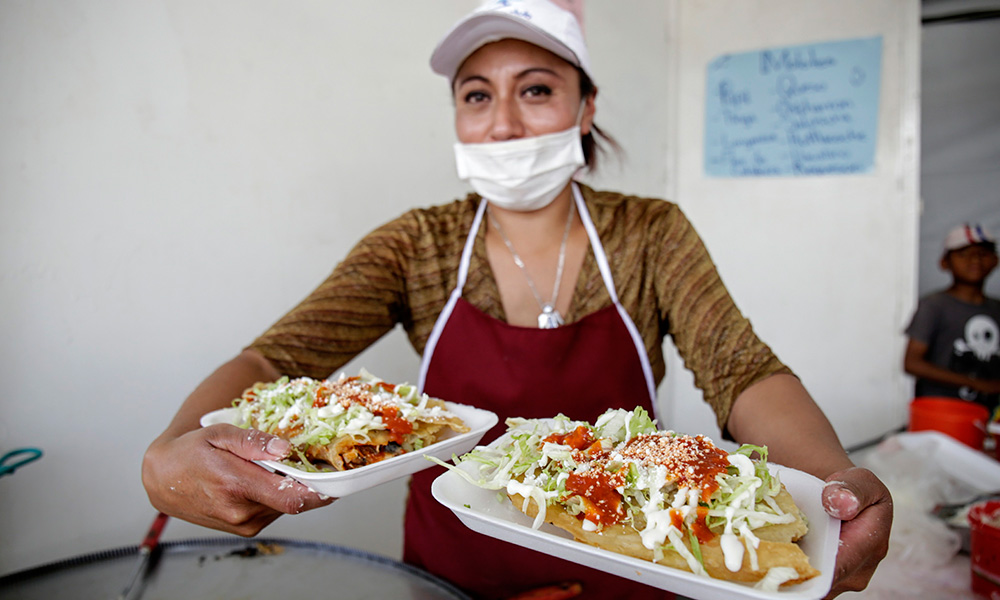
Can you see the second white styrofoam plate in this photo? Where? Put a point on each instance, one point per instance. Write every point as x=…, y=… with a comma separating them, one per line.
x=481, y=510
x=338, y=484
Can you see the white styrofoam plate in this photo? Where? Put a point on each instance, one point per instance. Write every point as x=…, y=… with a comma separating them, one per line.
x=482, y=511
x=338, y=484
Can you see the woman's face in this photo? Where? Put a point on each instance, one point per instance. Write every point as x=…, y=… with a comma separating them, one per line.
x=512, y=89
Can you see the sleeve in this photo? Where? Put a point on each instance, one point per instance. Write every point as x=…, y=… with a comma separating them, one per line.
x=714, y=339
x=361, y=300
x=924, y=323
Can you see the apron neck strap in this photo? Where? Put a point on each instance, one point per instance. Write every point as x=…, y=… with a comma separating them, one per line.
x=595, y=243
x=470, y=242
x=602, y=265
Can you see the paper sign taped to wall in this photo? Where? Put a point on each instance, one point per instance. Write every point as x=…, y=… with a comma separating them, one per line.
x=794, y=111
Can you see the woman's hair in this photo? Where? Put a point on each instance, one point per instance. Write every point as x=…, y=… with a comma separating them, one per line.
x=591, y=145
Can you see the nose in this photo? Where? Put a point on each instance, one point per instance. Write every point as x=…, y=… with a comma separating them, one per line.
x=507, y=124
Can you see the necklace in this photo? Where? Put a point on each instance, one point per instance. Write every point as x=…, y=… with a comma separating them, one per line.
x=549, y=318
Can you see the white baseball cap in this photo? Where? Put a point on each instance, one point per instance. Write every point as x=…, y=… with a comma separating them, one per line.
x=538, y=22
x=967, y=235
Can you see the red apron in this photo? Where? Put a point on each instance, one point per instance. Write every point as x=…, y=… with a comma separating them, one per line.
x=580, y=369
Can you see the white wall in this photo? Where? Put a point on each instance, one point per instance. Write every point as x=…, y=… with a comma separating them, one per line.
x=176, y=174
x=823, y=266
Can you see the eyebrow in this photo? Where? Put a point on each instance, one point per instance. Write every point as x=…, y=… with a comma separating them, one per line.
x=520, y=75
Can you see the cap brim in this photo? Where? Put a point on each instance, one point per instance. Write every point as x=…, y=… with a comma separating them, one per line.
x=479, y=30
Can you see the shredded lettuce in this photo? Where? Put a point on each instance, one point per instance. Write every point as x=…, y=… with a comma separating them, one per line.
x=303, y=410
x=695, y=547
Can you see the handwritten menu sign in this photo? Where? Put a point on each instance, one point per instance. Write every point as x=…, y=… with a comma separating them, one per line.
x=794, y=111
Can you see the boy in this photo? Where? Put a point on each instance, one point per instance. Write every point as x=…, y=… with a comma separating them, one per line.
x=954, y=337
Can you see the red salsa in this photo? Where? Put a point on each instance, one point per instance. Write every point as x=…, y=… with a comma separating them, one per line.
x=578, y=439
x=398, y=426
x=598, y=487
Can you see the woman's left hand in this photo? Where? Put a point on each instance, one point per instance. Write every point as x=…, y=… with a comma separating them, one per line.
x=859, y=499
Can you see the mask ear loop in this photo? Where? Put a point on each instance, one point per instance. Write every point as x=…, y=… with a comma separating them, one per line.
x=579, y=128
x=579, y=115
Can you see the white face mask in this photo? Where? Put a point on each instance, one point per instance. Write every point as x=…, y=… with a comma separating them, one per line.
x=523, y=174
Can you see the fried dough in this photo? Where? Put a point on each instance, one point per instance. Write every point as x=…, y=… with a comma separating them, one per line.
x=776, y=549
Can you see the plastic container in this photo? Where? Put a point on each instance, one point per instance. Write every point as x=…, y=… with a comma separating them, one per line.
x=975, y=472
x=984, y=521
x=964, y=421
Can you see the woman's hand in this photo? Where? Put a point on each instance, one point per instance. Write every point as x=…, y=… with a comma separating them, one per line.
x=777, y=412
x=859, y=499
x=205, y=476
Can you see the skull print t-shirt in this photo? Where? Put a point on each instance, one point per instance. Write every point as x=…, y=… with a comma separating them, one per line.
x=960, y=337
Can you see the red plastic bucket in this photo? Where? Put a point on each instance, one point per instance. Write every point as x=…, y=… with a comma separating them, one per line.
x=984, y=550
x=964, y=421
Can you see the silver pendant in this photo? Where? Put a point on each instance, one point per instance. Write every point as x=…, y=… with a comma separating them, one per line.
x=549, y=318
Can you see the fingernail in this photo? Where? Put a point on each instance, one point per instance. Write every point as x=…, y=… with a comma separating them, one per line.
x=842, y=504
x=278, y=447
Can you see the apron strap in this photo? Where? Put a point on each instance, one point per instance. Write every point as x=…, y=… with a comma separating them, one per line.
x=609, y=283
x=463, y=273
x=595, y=243
x=602, y=266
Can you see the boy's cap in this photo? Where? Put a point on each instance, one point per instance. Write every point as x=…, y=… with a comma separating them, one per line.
x=967, y=235
x=538, y=22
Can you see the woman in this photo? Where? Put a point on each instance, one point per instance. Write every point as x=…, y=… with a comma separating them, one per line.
x=550, y=297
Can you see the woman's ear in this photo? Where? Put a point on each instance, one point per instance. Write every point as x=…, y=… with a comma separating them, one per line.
x=589, y=108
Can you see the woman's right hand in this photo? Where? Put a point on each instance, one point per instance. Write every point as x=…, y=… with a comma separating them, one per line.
x=206, y=476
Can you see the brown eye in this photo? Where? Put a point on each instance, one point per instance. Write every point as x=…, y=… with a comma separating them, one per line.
x=475, y=97
x=538, y=90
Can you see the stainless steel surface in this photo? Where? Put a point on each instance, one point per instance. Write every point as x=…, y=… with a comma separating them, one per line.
x=232, y=568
